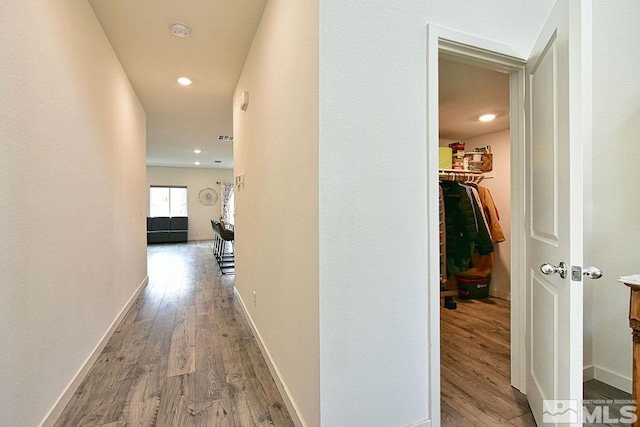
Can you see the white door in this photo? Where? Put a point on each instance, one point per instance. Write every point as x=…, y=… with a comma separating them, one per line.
x=556, y=104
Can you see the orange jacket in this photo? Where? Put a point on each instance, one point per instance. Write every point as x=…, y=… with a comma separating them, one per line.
x=491, y=213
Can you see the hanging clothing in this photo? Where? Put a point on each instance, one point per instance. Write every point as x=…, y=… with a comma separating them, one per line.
x=470, y=228
x=491, y=213
x=467, y=230
x=484, y=243
x=461, y=229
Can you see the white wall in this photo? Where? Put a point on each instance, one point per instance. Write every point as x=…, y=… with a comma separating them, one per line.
x=373, y=278
x=276, y=149
x=195, y=179
x=72, y=168
x=616, y=126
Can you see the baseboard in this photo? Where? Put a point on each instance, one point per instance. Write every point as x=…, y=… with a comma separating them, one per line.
x=423, y=423
x=65, y=397
x=588, y=373
x=275, y=373
x=504, y=294
x=612, y=378
x=200, y=238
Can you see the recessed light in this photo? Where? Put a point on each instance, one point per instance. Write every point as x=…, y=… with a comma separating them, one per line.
x=487, y=117
x=197, y=151
x=196, y=163
x=185, y=81
x=180, y=30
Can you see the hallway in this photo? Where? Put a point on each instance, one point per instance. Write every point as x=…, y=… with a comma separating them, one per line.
x=183, y=355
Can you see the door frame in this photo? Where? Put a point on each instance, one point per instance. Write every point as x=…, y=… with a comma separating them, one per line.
x=506, y=59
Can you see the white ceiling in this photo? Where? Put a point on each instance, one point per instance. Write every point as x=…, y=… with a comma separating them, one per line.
x=181, y=119
x=466, y=93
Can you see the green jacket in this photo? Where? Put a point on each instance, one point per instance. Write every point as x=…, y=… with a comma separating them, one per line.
x=465, y=228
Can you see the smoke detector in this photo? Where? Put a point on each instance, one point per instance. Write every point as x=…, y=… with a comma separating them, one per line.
x=180, y=30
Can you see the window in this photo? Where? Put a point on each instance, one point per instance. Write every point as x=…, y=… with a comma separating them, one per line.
x=231, y=207
x=168, y=201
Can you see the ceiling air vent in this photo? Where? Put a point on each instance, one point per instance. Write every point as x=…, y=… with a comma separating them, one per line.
x=225, y=138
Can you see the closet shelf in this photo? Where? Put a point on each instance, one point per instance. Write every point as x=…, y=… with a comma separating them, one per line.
x=460, y=171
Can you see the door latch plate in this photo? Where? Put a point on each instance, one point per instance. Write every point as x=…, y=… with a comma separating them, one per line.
x=576, y=274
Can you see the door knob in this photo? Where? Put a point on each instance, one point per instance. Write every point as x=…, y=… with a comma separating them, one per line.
x=592, y=272
x=550, y=269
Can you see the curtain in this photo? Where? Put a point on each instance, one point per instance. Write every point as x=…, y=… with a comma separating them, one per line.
x=226, y=202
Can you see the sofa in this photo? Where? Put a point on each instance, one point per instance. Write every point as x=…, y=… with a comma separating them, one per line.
x=164, y=229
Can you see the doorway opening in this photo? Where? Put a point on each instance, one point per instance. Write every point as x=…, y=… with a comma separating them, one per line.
x=466, y=49
x=470, y=393
x=475, y=162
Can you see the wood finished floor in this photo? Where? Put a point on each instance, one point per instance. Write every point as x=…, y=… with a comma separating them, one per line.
x=182, y=356
x=185, y=356
x=475, y=367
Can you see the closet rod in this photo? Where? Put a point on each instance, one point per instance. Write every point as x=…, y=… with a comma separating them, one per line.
x=460, y=175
